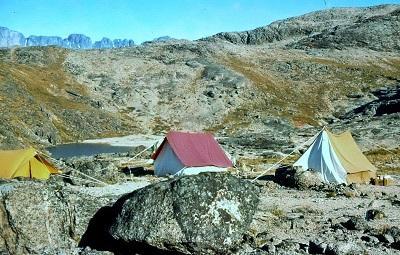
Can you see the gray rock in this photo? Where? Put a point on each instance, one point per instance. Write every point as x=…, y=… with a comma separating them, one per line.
x=123, y=43
x=43, y=41
x=9, y=38
x=203, y=214
x=396, y=245
x=374, y=214
x=102, y=169
x=316, y=247
x=370, y=239
x=365, y=32
x=332, y=28
x=103, y=43
x=355, y=223
x=395, y=233
x=388, y=102
x=385, y=238
x=344, y=248
x=37, y=217
x=297, y=178
x=79, y=41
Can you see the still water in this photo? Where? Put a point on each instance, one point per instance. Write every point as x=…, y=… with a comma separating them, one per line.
x=84, y=149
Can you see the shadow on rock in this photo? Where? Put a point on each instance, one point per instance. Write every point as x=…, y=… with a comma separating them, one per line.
x=207, y=213
x=97, y=235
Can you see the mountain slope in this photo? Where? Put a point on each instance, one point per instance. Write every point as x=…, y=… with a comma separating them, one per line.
x=338, y=27
x=55, y=95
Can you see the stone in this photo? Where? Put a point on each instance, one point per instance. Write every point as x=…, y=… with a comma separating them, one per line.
x=297, y=178
x=385, y=238
x=355, y=223
x=103, y=43
x=374, y=214
x=370, y=239
x=36, y=217
x=344, y=248
x=395, y=233
x=101, y=169
x=396, y=245
x=316, y=247
x=206, y=213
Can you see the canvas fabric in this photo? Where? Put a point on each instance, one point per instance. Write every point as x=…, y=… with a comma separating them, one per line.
x=338, y=159
x=322, y=158
x=24, y=163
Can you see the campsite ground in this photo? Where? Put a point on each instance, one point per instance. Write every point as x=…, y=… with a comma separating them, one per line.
x=290, y=220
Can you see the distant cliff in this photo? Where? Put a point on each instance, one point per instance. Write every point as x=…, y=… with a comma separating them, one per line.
x=9, y=38
x=376, y=28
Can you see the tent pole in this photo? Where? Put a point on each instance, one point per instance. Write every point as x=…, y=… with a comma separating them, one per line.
x=140, y=153
x=90, y=177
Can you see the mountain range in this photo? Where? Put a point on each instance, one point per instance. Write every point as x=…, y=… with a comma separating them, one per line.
x=10, y=38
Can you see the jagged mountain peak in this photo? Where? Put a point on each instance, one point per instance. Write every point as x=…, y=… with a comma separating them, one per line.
x=10, y=38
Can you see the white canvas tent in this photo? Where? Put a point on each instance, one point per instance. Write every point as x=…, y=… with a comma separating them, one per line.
x=189, y=153
x=337, y=158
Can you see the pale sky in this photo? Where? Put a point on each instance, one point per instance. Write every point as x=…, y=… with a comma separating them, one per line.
x=143, y=20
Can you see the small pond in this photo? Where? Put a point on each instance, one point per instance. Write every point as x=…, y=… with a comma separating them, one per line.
x=84, y=149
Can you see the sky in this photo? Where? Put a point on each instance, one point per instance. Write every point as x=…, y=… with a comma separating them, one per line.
x=143, y=20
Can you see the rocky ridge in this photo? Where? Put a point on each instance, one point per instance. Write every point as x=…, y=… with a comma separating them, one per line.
x=332, y=28
x=10, y=38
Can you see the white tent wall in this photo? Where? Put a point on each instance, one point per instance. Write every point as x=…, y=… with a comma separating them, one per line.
x=167, y=163
x=200, y=169
x=321, y=157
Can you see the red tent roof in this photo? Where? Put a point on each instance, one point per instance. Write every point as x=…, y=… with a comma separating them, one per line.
x=195, y=149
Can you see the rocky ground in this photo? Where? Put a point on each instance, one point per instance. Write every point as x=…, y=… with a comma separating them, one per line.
x=273, y=215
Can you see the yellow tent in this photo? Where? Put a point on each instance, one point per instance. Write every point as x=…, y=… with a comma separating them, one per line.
x=337, y=158
x=358, y=167
x=25, y=163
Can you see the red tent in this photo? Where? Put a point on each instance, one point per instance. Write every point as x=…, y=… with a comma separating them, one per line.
x=195, y=149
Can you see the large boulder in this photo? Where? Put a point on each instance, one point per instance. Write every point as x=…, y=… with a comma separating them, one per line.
x=44, y=218
x=207, y=213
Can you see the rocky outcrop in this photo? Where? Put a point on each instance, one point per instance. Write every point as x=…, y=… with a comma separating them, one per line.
x=387, y=102
x=34, y=40
x=9, y=38
x=103, y=43
x=365, y=32
x=332, y=28
x=79, y=41
x=43, y=218
x=203, y=214
x=102, y=169
x=123, y=43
